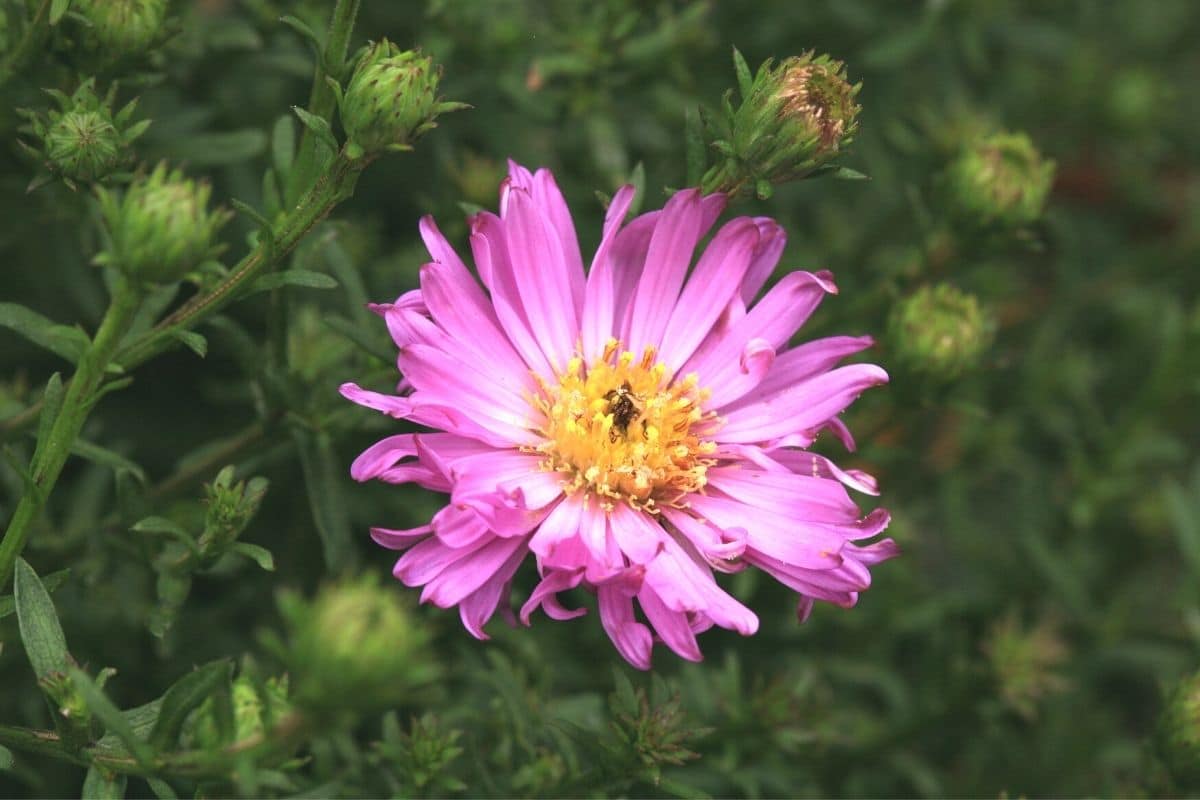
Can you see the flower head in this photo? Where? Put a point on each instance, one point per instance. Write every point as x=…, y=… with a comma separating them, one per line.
x=632, y=429
x=1000, y=180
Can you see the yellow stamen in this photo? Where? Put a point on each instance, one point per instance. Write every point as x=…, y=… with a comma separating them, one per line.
x=622, y=429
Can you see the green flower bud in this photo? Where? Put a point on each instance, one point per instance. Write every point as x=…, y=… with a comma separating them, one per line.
x=1178, y=735
x=231, y=506
x=1026, y=662
x=391, y=100
x=999, y=181
x=83, y=140
x=793, y=119
x=161, y=227
x=940, y=331
x=121, y=28
x=251, y=715
x=355, y=647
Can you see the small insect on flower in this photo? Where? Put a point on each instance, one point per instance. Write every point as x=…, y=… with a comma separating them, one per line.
x=623, y=405
x=635, y=428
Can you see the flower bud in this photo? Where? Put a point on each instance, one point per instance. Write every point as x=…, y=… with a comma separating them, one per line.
x=391, y=99
x=1178, y=735
x=794, y=118
x=1026, y=662
x=121, y=28
x=999, y=181
x=355, y=647
x=940, y=331
x=161, y=227
x=251, y=715
x=84, y=140
x=231, y=506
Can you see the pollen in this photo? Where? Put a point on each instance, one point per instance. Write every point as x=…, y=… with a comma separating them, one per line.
x=624, y=429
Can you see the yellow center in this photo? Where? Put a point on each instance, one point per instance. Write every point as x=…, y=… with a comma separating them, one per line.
x=623, y=429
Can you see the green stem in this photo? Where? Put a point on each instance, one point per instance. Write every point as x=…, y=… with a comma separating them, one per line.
x=321, y=99
x=334, y=187
x=51, y=454
x=31, y=40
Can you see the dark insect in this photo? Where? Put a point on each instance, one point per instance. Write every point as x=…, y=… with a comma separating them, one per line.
x=624, y=409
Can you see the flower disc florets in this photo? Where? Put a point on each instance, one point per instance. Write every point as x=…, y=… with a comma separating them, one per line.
x=633, y=429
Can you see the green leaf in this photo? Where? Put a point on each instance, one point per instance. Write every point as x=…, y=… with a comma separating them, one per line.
x=358, y=335
x=744, y=79
x=283, y=146
x=218, y=149
x=319, y=126
x=59, y=339
x=57, y=9
x=51, y=583
x=194, y=341
x=293, y=277
x=261, y=555
x=693, y=137
x=41, y=633
x=105, y=457
x=349, y=276
x=184, y=697
x=166, y=527
x=52, y=400
x=323, y=477
x=111, y=717
x=301, y=27
x=162, y=790
x=100, y=784
x=6, y=758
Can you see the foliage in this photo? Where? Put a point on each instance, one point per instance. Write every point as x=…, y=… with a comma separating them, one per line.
x=1045, y=489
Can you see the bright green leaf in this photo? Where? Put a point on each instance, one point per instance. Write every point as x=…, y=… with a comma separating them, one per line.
x=51, y=583
x=105, y=457
x=261, y=555
x=41, y=633
x=59, y=339
x=184, y=697
x=57, y=9
x=100, y=784
x=293, y=277
x=323, y=477
x=194, y=341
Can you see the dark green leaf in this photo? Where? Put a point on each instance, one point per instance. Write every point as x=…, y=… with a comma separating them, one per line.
x=293, y=277
x=696, y=152
x=52, y=400
x=323, y=477
x=218, y=149
x=301, y=27
x=58, y=339
x=162, y=790
x=319, y=126
x=6, y=758
x=111, y=717
x=184, y=697
x=100, y=784
x=283, y=146
x=261, y=555
x=194, y=341
x=358, y=335
x=350, y=278
x=105, y=457
x=166, y=527
x=41, y=632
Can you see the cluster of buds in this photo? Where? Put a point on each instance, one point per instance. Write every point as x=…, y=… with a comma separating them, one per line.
x=391, y=100
x=940, y=331
x=794, y=118
x=161, y=227
x=83, y=140
x=998, y=181
x=113, y=30
x=231, y=506
x=256, y=706
x=353, y=648
x=1178, y=735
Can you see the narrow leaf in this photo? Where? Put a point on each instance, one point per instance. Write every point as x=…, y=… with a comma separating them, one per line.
x=6, y=758
x=59, y=339
x=51, y=583
x=319, y=126
x=111, y=717
x=184, y=697
x=52, y=400
x=105, y=457
x=693, y=137
x=323, y=478
x=301, y=27
x=744, y=79
x=41, y=632
x=100, y=784
x=165, y=527
x=194, y=341
x=293, y=277
x=360, y=337
x=283, y=146
x=162, y=790
x=57, y=9
x=261, y=555
x=217, y=149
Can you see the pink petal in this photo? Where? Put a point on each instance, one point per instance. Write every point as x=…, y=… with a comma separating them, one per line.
x=400, y=539
x=801, y=363
x=398, y=407
x=671, y=247
x=811, y=545
x=671, y=626
x=786, y=493
x=596, y=322
x=563, y=523
x=772, y=240
x=639, y=537
x=544, y=595
x=478, y=607
x=549, y=199
x=466, y=574
x=631, y=638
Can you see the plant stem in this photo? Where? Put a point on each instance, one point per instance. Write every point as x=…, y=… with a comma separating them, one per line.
x=334, y=187
x=321, y=98
x=51, y=454
x=31, y=40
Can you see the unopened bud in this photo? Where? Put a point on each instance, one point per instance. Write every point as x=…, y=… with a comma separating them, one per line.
x=940, y=331
x=793, y=119
x=1178, y=735
x=160, y=227
x=391, y=99
x=84, y=140
x=231, y=506
x=355, y=647
x=254, y=708
x=999, y=180
x=121, y=28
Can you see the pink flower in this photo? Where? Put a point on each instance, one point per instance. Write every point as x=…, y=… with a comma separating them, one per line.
x=633, y=428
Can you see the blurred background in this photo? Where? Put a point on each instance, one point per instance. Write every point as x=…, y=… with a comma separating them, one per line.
x=1037, y=444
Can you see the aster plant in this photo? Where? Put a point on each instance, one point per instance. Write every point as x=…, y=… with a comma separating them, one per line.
x=634, y=428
